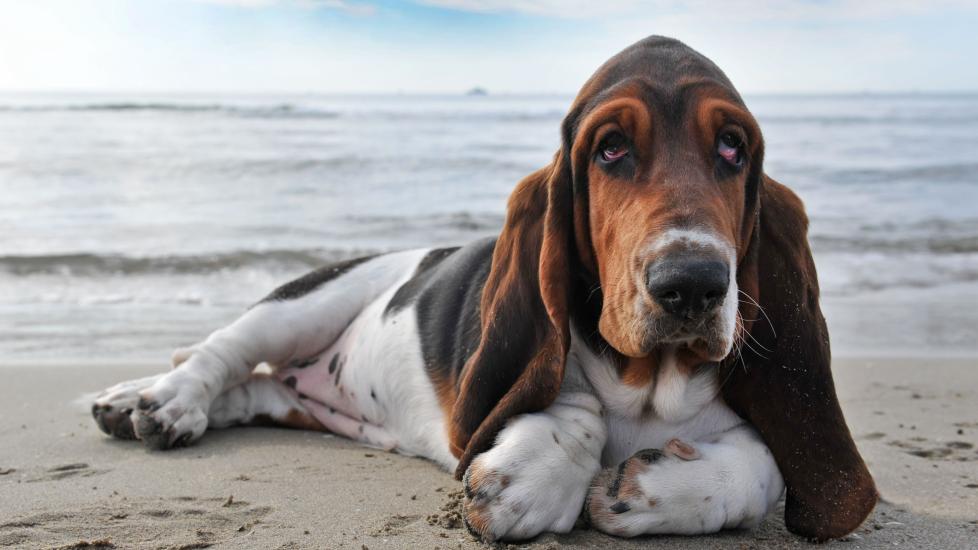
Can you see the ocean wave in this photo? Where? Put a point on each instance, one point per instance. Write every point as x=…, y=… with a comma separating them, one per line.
x=932, y=236
x=463, y=222
x=90, y=264
x=964, y=244
x=294, y=111
x=283, y=110
x=966, y=172
x=462, y=114
x=927, y=119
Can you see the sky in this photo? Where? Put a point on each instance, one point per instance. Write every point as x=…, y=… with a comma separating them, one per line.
x=449, y=46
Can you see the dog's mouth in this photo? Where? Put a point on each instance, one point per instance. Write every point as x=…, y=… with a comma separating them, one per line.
x=706, y=339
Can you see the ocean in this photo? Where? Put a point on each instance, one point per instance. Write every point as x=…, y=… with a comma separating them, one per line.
x=132, y=224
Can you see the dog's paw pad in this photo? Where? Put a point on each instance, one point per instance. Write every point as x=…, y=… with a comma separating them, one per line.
x=114, y=421
x=113, y=408
x=152, y=432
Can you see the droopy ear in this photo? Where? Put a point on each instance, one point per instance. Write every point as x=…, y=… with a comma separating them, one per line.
x=519, y=364
x=784, y=386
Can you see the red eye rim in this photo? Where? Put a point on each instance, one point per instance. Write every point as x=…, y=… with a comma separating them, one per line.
x=613, y=148
x=730, y=147
x=611, y=154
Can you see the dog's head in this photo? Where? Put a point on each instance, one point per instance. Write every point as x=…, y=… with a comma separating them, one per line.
x=665, y=162
x=651, y=222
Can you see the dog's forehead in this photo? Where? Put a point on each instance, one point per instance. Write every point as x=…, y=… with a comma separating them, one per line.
x=663, y=72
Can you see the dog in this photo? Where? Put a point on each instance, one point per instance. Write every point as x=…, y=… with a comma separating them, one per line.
x=642, y=343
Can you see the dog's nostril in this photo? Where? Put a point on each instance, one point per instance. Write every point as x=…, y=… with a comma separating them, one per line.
x=670, y=296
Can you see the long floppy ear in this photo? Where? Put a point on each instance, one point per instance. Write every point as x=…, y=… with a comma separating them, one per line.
x=784, y=387
x=519, y=364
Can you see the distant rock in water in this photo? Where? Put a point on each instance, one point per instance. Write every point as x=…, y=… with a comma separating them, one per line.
x=477, y=91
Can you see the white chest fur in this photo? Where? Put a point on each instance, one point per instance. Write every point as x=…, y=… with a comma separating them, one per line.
x=673, y=404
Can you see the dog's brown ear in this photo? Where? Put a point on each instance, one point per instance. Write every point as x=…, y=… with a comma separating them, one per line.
x=519, y=364
x=784, y=386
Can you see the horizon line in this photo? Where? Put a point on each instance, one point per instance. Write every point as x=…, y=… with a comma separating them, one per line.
x=460, y=92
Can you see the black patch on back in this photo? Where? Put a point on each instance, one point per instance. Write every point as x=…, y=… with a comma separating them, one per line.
x=313, y=280
x=448, y=308
x=409, y=290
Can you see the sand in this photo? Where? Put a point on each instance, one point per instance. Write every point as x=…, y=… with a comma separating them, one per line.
x=65, y=485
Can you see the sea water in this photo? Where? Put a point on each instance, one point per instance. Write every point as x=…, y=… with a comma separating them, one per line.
x=131, y=224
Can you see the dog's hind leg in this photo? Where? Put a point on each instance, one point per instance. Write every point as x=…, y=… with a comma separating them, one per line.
x=265, y=400
x=260, y=400
x=294, y=323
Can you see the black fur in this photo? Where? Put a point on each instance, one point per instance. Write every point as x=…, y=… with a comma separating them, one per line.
x=447, y=290
x=409, y=290
x=313, y=280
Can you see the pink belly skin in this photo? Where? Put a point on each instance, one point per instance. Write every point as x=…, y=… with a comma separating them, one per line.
x=320, y=385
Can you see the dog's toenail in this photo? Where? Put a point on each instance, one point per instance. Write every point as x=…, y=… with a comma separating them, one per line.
x=620, y=507
x=148, y=404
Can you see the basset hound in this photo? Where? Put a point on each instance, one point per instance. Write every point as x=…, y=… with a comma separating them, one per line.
x=642, y=343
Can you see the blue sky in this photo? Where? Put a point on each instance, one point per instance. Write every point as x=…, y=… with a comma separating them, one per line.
x=452, y=45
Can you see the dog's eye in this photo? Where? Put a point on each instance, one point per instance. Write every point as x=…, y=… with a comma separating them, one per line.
x=613, y=147
x=730, y=148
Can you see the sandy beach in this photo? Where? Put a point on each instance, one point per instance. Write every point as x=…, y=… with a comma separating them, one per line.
x=63, y=484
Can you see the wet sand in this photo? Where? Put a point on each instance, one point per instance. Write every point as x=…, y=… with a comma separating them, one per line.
x=65, y=485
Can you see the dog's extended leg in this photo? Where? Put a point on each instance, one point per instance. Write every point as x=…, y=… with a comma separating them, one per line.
x=728, y=481
x=265, y=399
x=296, y=322
x=536, y=477
x=262, y=399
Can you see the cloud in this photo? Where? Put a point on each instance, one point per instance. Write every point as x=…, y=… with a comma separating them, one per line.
x=731, y=10
x=551, y=8
x=352, y=8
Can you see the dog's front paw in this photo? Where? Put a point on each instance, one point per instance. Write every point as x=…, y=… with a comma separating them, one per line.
x=534, y=480
x=520, y=502
x=171, y=413
x=656, y=491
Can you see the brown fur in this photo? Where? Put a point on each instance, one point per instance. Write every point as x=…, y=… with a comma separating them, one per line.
x=527, y=286
x=295, y=419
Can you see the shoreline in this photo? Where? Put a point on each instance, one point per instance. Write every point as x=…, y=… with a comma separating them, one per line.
x=62, y=482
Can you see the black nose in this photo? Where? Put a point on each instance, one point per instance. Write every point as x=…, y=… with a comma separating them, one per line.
x=688, y=288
